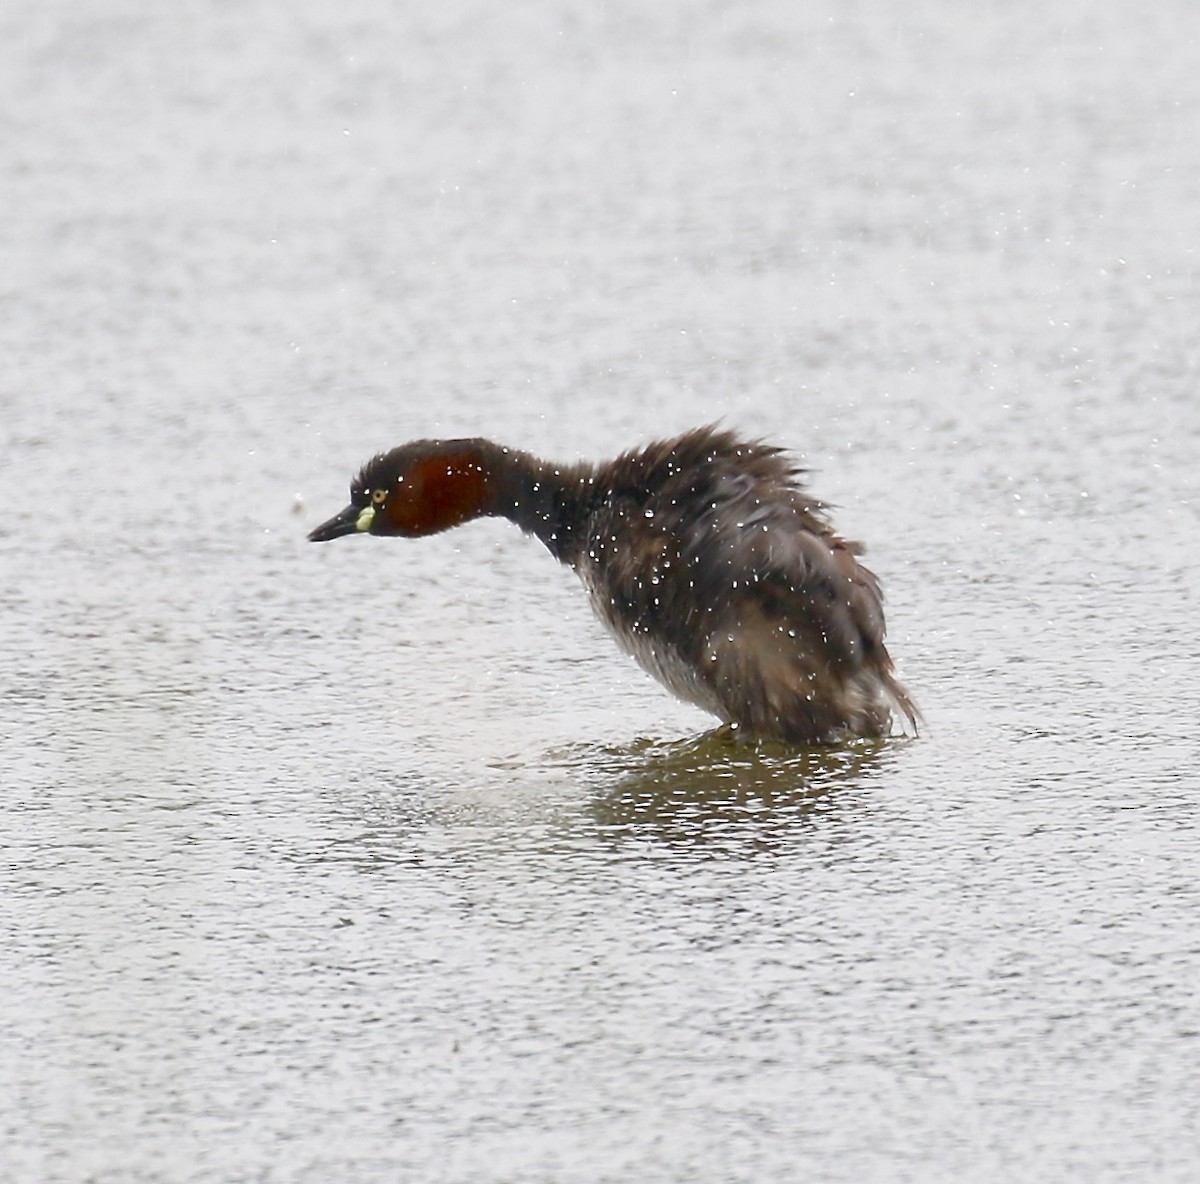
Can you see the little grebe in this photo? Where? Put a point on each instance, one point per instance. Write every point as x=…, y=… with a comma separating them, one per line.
x=703, y=555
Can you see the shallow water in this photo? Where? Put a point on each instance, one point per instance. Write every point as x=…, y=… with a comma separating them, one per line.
x=375, y=861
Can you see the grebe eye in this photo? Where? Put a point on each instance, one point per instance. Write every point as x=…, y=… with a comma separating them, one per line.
x=378, y=497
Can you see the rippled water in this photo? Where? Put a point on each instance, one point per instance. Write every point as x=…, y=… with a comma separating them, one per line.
x=376, y=861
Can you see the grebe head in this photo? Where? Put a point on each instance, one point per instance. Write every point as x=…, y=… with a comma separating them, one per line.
x=416, y=489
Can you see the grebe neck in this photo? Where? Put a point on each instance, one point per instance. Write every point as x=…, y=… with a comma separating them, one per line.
x=549, y=501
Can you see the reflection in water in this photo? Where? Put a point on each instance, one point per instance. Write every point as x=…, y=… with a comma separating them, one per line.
x=713, y=789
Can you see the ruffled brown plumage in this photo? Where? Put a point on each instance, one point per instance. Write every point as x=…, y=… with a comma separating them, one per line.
x=703, y=554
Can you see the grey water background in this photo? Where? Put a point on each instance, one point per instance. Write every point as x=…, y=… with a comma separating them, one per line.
x=376, y=861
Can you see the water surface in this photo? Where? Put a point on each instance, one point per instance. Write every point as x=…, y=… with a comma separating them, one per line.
x=376, y=861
